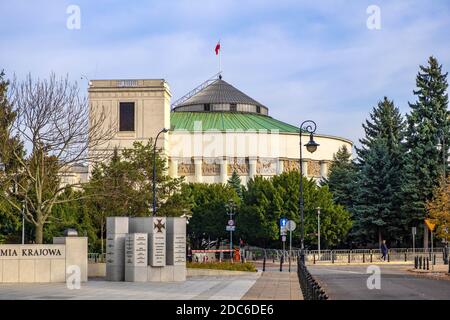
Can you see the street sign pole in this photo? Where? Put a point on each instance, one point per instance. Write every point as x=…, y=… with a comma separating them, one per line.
x=23, y=222
x=230, y=211
x=318, y=231
x=231, y=244
x=290, y=249
x=431, y=255
x=290, y=225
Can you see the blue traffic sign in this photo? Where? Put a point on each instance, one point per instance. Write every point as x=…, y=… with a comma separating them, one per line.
x=283, y=222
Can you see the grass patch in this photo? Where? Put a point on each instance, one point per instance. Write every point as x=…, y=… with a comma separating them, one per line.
x=236, y=266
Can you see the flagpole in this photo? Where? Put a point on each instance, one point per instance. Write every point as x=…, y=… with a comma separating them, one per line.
x=220, y=57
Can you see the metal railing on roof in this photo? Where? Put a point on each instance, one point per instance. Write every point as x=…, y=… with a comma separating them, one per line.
x=196, y=90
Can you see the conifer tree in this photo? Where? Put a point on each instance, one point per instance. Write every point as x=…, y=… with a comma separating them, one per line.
x=341, y=178
x=386, y=123
x=235, y=182
x=427, y=120
x=10, y=144
x=376, y=214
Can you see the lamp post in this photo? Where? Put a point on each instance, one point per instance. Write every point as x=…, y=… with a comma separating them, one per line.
x=231, y=208
x=441, y=147
x=318, y=230
x=164, y=130
x=310, y=127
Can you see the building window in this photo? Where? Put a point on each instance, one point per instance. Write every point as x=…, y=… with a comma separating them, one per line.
x=126, y=116
x=258, y=109
x=207, y=107
x=233, y=107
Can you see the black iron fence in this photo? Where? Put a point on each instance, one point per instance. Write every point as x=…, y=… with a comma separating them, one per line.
x=346, y=255
x=373, y=255
x=310, y=287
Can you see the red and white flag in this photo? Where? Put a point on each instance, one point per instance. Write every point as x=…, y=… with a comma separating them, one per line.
x=217, y=48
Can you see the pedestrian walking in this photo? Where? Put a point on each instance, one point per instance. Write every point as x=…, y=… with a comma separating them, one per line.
x=384, y=250
x=189, y=254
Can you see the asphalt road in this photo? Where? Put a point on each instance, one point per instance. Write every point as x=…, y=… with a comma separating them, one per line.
x=350, y=283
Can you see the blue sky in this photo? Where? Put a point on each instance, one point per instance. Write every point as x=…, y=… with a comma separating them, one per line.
x=302, y=59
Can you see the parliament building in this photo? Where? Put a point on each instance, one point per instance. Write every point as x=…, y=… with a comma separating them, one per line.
x=213, y=130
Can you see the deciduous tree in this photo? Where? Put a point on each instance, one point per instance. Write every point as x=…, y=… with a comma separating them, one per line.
x=52, y=119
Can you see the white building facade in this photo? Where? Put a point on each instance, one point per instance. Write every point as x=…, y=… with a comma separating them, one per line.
x=214, y=131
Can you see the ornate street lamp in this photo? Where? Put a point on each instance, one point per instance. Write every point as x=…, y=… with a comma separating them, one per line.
x=310, y=127
x=164, y=130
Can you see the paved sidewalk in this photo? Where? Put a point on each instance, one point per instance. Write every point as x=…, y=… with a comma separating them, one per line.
x=273, y=285
x=195, y=288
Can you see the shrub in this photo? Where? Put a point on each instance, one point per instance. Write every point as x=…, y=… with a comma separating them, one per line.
x=237, y=266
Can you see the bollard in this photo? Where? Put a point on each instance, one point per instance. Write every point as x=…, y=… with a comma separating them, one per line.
x=314, y=258
x=389, y=260
x=428, y=263
x=364, y=258
x=264, y=264
x=434, y=259
x=371, y=256
x=405, y=257
x=332, y=257
x=281, y=263
x=420, y=262
x=415, y=262
x=349, y=257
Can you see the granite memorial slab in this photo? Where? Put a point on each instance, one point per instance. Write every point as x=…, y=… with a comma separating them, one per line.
x=157, y=243
x=136, y=249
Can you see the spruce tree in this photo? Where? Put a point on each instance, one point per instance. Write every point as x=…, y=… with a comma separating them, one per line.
x=427, y=120
x=375, y=209
x=9, y=144
x=341, y=178
x=235, y=182
x=386, y=123
x=379, y=162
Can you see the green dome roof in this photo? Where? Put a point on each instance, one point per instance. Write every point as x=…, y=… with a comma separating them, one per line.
x=223, y=121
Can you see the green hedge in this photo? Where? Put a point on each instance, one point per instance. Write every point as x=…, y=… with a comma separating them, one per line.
x=236, y=266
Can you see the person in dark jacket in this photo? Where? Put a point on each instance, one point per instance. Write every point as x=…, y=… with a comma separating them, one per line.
x=189, y=254
x=384, y=250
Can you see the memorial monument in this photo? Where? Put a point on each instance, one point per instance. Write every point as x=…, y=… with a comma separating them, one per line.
x=144, y=249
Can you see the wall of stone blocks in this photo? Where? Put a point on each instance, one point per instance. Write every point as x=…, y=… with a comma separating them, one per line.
x=43, y=263
x=116, y=231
